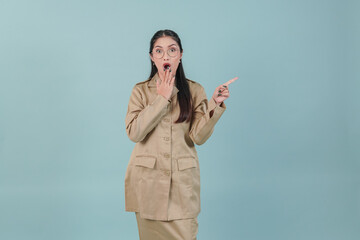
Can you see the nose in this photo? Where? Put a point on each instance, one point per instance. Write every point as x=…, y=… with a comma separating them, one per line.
x=166, y=57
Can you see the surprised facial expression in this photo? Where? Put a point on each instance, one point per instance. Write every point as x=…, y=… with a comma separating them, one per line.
x=166, y=54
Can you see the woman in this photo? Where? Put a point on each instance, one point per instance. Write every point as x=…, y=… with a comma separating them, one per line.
x=167, y=114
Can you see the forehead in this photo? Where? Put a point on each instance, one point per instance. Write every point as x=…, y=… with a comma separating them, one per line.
x=164, y=42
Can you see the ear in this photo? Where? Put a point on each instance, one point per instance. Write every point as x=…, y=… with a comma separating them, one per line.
x=152, y=59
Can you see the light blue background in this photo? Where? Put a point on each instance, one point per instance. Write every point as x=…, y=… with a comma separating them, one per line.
x=283, y=161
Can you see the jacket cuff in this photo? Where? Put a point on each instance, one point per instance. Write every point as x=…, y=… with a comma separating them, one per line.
x=218, y=110
x=162, y=101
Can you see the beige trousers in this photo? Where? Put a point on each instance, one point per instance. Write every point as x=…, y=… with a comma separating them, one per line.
x=182, y=229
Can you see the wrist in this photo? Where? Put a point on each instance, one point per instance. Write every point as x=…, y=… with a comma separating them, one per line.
x=217, y=103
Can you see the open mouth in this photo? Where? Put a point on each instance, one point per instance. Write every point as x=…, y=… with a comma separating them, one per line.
x=167, y=65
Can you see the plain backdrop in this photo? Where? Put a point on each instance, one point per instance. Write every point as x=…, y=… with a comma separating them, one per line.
x=282, y=164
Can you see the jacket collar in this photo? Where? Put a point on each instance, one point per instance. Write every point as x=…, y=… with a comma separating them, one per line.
x=155, y=78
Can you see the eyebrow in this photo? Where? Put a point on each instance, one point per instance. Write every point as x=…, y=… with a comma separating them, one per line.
x=168, y=46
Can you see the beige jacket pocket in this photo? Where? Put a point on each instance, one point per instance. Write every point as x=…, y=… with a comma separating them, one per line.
x=185, y=163
x=152, y=187
x=145, y=161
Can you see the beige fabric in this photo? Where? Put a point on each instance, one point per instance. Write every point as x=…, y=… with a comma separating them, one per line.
x=183, y=229
x=162, y=179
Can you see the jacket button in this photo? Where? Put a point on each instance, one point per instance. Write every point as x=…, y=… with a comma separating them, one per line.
x=166, y=155
x=167, y=172
x=166, y=138
x=166, y=120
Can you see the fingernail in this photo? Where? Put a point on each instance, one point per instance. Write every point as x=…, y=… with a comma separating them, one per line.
x=170, y=70
x=219, y=90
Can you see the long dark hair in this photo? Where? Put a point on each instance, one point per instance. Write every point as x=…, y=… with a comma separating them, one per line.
x=184, y=95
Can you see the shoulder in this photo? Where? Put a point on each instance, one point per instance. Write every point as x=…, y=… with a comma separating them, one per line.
x=141, y=86
x=143, y=83
x=139, y=89
x=197, y=91
x=194, y=86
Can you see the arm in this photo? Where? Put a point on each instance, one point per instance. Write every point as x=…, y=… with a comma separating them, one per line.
x=206, y=114
x=140, y=119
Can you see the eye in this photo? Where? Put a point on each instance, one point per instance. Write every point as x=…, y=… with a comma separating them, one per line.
x=172, y=49
x=158, y=50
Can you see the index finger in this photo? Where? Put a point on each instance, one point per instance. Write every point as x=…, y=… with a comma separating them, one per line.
x=230, y=81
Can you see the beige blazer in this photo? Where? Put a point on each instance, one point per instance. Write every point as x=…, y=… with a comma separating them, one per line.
x=162, y=180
